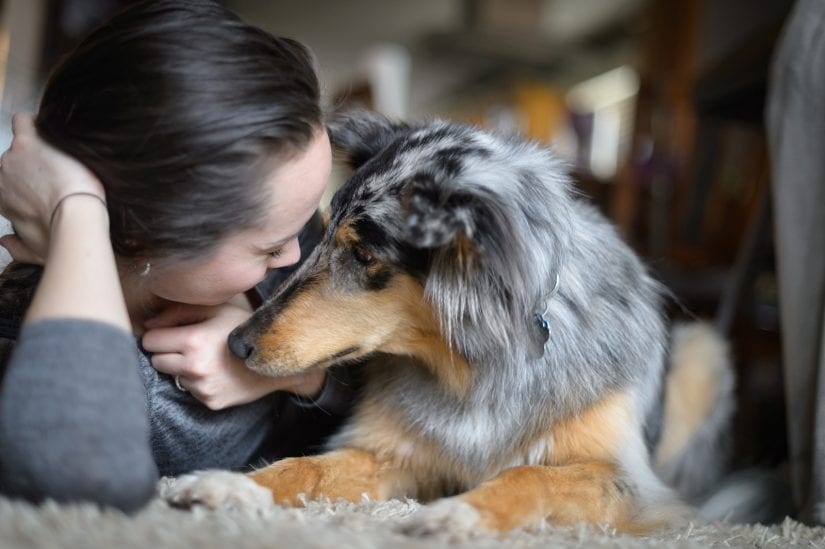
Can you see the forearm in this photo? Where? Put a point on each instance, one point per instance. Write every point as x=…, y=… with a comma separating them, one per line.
x=80, y=279
x=73, y=420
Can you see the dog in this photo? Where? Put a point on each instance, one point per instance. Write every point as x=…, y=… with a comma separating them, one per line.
x=516, y=349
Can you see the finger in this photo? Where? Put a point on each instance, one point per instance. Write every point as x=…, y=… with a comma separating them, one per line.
x=169, y=363
x=165, y=340
x=23, y=123
x=19, y=251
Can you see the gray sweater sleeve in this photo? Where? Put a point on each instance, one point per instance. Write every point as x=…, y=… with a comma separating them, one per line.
x=73, y=418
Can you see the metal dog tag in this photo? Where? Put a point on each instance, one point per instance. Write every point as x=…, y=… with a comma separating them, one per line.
x=544, y=326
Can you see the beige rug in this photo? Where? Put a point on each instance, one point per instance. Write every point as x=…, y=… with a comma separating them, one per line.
x=338, y=526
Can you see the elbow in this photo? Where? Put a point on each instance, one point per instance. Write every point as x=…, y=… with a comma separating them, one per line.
x=128, y=491
x=135, y=496
x=128, y=494
x=104, y=467
x=106, y=484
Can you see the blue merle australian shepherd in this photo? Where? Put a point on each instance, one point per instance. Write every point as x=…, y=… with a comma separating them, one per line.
x=518, y=360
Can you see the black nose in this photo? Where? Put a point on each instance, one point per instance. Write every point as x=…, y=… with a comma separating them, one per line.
x=239, y=345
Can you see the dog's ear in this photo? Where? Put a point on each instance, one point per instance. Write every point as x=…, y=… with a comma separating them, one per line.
x=471, y=219
x=436, y=217
x=361, y=134
x=479, y=280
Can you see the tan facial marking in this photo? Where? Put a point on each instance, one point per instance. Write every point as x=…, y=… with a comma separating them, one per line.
x=322, y=321
x=346, y=235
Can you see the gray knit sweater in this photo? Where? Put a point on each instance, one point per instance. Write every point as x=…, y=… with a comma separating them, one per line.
x=85, y=416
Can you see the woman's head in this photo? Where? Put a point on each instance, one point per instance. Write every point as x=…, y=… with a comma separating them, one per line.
x=243, y=257
x=185, y=113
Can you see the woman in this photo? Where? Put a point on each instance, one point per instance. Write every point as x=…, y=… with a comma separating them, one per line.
x=202, y=159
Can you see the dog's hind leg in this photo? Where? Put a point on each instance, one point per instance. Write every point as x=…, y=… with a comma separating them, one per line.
x=347, y=473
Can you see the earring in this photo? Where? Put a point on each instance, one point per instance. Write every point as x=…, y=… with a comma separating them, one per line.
x=146, y=269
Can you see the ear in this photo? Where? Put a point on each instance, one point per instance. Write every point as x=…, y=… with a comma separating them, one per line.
x=362, y=134
x=479, y=281
x=436, y=216
x=471, y=218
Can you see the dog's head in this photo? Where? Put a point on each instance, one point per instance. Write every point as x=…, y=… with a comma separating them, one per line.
x=425, y=254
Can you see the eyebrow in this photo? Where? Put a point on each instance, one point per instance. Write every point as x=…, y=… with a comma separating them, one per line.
x=278, y=243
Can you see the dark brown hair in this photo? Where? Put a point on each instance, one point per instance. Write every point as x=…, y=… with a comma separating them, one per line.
x=178, y=107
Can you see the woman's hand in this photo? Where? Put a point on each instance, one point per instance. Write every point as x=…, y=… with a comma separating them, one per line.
x=34, y=178
x=191, y=342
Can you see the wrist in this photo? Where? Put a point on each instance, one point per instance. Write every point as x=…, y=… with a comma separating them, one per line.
x=80, y=278
x=79, y=210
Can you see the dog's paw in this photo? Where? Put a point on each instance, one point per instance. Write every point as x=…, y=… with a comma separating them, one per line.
x=450, y=517
x=218, y=490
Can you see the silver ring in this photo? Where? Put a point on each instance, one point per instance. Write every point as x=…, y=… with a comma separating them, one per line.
x=179, y=386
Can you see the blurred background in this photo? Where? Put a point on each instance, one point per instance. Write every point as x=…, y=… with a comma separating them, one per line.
x=656, y=104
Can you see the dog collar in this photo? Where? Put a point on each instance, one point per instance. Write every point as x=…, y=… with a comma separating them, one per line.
x=541, y=318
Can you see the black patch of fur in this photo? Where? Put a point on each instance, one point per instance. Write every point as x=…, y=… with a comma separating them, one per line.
x=414, y=261
x=451, y=160
x=371, y=234
x=363, y=134
x=379, y=279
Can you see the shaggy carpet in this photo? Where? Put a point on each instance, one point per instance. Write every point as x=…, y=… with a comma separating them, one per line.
x=366, y=525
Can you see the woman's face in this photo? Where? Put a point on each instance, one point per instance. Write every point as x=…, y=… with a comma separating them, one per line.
x=244, y=258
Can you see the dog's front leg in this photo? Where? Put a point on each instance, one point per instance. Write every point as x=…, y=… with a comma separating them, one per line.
x=528, y=495
x=348, y=473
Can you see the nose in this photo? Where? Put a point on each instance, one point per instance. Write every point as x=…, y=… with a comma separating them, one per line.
x=239, y=345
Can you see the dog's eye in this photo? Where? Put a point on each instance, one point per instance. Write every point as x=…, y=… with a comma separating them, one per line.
x=361, y=255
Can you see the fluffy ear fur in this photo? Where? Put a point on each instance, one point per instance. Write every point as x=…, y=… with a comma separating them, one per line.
x=478, y=277
x=362, y=134
x=436, y=216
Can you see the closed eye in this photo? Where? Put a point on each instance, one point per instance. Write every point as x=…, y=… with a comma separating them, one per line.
x=362, y=255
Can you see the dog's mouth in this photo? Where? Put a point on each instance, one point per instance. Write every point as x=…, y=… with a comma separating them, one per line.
x=266, y=368
x=340, y=355
x=335, y=358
